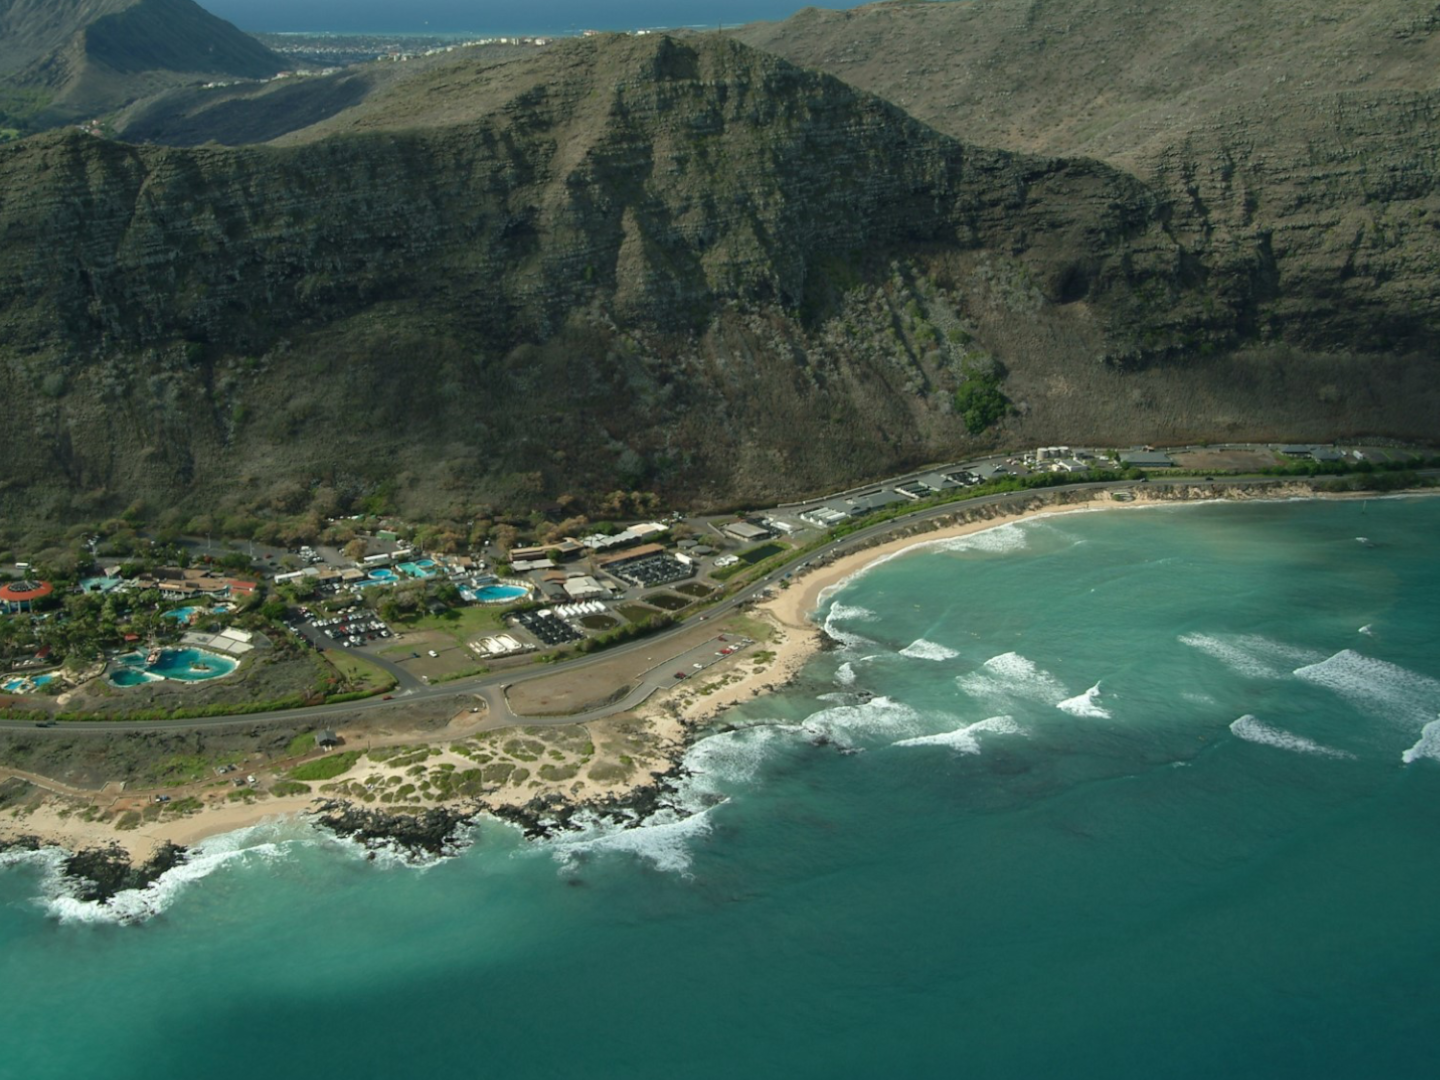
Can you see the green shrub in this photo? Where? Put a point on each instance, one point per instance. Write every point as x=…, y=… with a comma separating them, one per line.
x=326, y=768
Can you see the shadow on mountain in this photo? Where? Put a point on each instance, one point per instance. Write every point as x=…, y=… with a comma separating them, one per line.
x=248, y=114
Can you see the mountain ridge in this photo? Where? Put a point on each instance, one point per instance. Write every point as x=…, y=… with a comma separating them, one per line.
x=676, y=265
x=64, y=60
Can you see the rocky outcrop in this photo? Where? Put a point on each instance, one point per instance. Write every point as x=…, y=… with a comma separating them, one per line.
x=425, y=834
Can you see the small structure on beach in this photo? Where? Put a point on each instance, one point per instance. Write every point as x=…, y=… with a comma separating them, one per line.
x=326, y=739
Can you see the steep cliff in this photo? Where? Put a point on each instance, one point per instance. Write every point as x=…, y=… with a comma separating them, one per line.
x=683, y=266
x=1296, y=140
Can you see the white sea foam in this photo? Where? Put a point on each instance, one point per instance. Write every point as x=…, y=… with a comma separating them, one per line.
x=137, y=905
x=734, y=757
x=1012, y=675
x=1428, y=745
x=1368, y=630
x=928, y=650
x=845, y=613
x=1086, y=705
x=1252, y=654
x=879, y=717
x=845, y=674
x=1252, y=730
x=966, y=740
x=852, y=613
x=663, y=840
x=1377, y=687
x=1002, y=538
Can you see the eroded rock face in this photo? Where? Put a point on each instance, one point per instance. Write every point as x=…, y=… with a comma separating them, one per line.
x=694, y=268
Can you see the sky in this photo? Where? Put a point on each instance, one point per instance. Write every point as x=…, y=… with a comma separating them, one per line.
x=494, y=16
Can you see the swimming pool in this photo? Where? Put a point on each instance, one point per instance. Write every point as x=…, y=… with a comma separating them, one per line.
x=497, y=594
x=383, y=575
x=417, y=570
x=184, y=614
x=180, y=665
x=25, y=683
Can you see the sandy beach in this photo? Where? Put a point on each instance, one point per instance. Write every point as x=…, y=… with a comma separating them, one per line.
x=655, y=737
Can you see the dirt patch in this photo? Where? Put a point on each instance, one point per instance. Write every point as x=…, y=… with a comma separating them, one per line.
x=597, y=684
x=1225, y=460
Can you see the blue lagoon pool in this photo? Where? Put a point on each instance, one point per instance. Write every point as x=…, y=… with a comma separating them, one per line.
x=180, y=665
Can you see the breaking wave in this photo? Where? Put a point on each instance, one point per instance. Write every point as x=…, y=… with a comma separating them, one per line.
x=928, y=650
x=1086, y=704
x=965, y=740
x=1252, y=730
x=1377, y=687
x=1251, y=654
x=1011, y=675
x=1427, y=747
x=1002, y=538
x=879, y=717
x=845, y=613
x=663, y=840
x=734, y=757
x=59, y=892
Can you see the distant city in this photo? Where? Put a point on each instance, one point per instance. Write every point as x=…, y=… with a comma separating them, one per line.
x=468, y=18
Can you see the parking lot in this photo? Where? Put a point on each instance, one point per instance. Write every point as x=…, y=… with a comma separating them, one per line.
x=349, y=629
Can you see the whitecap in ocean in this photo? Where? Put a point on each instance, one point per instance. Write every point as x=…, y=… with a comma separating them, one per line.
x=1011, y=675
x=1086, y=705
x=1377, y=687
x=966, y=740
x=920, y=649
x=1428, y=745
x=1253, y=655
x=1253, y=730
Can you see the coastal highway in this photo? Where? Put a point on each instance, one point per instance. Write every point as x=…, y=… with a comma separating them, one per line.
x=490, y=689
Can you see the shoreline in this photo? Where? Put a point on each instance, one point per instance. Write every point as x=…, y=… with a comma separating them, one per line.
x=671, y=722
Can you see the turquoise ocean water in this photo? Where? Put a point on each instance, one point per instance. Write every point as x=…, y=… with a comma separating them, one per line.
x=1104, y=795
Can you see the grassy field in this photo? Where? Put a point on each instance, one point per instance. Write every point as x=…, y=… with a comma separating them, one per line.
x=358, y=672
x=460, y=624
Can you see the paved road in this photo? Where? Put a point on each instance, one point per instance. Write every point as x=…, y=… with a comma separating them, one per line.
x=490, y=688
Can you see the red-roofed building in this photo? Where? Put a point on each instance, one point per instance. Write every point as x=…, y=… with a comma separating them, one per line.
x=21, y=595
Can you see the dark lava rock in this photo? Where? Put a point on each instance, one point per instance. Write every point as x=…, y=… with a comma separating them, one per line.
x=542, y=816
x=21, y=843
x=99, y=873
x=426, y=832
